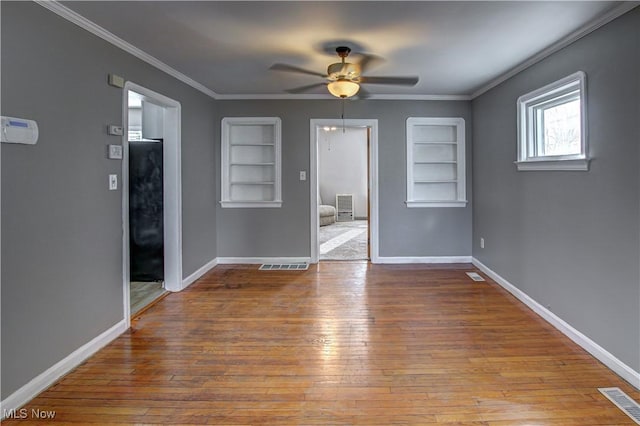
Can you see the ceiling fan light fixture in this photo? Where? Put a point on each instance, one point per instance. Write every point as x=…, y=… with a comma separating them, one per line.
x=343, y=88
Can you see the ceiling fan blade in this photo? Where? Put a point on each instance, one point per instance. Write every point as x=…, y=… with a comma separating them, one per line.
x=398, y=81
x=307, y=88
x=367, y=61
x=292, y=68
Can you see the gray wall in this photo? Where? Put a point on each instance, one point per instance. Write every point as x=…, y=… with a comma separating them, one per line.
x=342, y=167
x=403, y=232
x=61, y=227
x=570, y=240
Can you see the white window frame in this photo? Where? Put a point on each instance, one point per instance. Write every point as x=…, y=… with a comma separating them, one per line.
x=528, y=156
x=227, y=144
x=460, y=163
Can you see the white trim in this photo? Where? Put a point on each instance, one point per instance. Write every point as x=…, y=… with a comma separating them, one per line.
x=608, y=359
x=97, y=30
x=460, y=162
x=280, y=96
x=199, y=273
x=172, y=187
x=580, y=165
x=588, y=28
x=424, y=259
x=271, y=96
x=226, y=147
x=459, y=203
x=250, y=204
x=382, y=97
x=528, y=158
x=45, y=379
x=314, y=128
x=260, y=260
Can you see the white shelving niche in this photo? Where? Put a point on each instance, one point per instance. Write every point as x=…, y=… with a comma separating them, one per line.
x=436, y=162
x=251, y=162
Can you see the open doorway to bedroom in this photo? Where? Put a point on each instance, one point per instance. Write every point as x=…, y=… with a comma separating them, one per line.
x=343, y=193
x=343, y=189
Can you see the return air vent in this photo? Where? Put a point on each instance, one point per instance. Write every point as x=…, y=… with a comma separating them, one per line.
x=623, y=402
x=284, y=267
x=475, y=276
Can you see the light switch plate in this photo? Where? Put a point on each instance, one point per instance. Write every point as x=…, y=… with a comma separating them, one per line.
x=115, y=152
x=303, y=175
x=113, y=182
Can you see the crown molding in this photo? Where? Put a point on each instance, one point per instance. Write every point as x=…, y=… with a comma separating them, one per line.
x=97, y=30
x=272, y=96
x=588, y=28
x=238, y=97
x=420, y=97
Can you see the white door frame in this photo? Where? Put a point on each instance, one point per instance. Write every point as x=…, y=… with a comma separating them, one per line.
x=315, y=127
x=172, y=189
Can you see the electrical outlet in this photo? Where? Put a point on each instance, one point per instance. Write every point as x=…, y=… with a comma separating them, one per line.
x=113, y=182
x=481, y=243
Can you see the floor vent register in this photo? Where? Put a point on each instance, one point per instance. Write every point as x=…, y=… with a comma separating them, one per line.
x=623, y=402
x=284, y=267
x=475, y=276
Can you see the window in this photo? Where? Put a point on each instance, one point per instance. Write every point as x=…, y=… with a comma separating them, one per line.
x=435, y=162
x=552, y=126
x=251, y=166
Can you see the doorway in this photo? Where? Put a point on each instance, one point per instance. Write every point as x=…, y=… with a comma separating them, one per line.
x=343, y=179
x=343, y=193
x=152, y=260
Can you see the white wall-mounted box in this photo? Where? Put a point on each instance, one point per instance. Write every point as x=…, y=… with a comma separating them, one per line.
x=18, y=130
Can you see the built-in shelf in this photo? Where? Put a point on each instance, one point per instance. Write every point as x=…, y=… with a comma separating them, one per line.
x=253, y=183
x=435, y=162
x=253, y=144
x=251, y=167
x=435, y=143
x=253, y=164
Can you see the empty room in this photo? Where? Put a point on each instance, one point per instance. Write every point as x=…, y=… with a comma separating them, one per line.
x=320, y=213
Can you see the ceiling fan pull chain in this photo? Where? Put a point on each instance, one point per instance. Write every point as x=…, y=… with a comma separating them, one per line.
x=343, y=128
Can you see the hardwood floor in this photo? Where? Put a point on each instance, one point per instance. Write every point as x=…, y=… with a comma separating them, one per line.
x=341, y=343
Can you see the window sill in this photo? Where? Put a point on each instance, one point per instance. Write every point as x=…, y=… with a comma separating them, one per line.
x=576, y=165
x=455, y=203
x=251, y=204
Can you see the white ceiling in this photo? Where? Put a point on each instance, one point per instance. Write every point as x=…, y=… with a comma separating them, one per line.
x=456, y=48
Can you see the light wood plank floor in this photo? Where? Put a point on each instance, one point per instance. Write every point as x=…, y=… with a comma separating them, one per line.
x=341, y=343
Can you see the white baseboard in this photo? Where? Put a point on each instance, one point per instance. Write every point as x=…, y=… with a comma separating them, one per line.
x=200, y=272
x=604, y=356
x=41, y=382
x=261, y=260
x=431, y=259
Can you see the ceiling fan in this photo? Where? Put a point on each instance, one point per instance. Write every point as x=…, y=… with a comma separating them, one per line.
x=343, y=79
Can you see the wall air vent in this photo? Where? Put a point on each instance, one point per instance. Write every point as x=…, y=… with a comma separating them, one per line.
x=284, y=267
x=623, y=402
x=344, y=207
